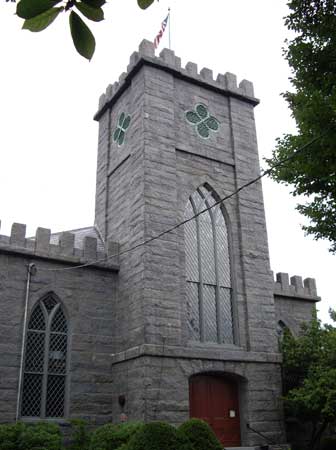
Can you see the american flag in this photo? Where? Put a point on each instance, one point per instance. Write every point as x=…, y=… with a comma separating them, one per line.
x=160, y=33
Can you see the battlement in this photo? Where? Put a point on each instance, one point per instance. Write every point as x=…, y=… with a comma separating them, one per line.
x=295, y=287
x=226, y=84
x=60, y=247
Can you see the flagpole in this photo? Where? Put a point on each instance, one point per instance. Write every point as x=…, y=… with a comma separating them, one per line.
x=169, y=28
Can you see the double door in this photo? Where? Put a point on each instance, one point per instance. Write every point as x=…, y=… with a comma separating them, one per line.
x=215, y=400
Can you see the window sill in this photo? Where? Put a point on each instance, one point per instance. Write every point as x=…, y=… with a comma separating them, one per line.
x=58, y=421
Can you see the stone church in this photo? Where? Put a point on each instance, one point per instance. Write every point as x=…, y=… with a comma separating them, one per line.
x=166, y=308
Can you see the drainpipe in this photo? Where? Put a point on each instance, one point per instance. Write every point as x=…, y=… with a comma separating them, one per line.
x=31, y=270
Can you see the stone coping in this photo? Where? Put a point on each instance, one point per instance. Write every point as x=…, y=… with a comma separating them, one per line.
x=208, y=353
x=294, y=287
x=65, y=251
x=225, y=84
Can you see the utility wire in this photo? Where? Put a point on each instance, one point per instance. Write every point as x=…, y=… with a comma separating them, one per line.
x=175, y=227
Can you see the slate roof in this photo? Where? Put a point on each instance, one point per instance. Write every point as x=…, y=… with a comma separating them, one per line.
x=80, y=234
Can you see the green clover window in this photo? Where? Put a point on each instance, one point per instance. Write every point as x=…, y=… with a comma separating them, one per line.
x=123, y=124
x=203, y=122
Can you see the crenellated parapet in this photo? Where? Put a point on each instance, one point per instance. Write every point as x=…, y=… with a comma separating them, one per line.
x=61, y=247
x=224, y=83
x=295, y=287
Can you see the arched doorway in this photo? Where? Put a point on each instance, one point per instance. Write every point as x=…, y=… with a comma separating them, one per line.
x=214, y=399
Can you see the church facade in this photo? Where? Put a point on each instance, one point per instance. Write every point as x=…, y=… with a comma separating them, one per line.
x=166, y=308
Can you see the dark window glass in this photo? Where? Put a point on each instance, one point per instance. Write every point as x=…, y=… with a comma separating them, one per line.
x=208, y=271
x=44, y=378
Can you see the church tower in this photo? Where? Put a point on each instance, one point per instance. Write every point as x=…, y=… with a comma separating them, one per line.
x=194, y=318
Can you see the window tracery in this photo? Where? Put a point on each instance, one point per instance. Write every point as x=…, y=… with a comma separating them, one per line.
x=208, y=270
x=45, y=366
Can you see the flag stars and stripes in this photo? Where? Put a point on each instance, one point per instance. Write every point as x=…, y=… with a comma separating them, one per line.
x=160, y=33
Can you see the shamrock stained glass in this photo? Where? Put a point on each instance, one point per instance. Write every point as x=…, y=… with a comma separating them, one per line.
x=123, y=124
x=203, y=122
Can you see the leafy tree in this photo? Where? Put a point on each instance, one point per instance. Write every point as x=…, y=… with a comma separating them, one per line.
x=311, y=55
x=309, y=372
x=39, y=14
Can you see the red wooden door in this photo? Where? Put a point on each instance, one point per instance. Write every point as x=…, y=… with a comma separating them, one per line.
x=215, y=399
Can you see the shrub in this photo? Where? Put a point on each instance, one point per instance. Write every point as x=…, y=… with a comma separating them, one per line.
x=328, y=443
x=10, y=436
x=41, y=436
x=200, y=435
x=158, y=436
x=111, y=436
x=80, y=436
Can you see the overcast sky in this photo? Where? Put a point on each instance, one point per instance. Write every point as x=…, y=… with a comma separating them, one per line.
x=48, y=95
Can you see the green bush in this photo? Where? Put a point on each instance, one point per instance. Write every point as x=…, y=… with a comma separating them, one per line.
x=10, y=436
x=80, y=435
x=111, y=437
x=41, y=436
x=328, y=443
x=200, y=435
x=158, y=436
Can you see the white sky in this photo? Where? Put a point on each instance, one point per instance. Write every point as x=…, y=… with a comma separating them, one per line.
x=48, y=96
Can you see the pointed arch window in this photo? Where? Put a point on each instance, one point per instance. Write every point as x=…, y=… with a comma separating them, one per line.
x=45, y=366
x=281, y=327
x=208, y=271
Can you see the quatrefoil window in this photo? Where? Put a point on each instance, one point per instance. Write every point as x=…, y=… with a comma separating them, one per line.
x=202, y=121
x=119, y=133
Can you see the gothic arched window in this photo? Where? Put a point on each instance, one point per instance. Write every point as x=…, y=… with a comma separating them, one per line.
x=208, y=272
x=45, y=366
x=281, y=327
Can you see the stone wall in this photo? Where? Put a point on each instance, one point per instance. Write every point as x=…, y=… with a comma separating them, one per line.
x=149, y=179
x=128, y=314
x=295, y=300
x=146, y=184
x=87, y=295
x=157, y=388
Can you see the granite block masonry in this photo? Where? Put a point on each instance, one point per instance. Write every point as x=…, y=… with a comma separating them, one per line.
x=152, y=323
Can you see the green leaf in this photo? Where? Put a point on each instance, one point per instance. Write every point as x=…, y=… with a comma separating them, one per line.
x=42, y=21
x=202, y=111
x=121, y=118
x=145, y=3
x=192, y=117
x=92, y=13
x=82, y=37
x=126, y=122
x=212, y=123
x=27, y=9
x=94, y=3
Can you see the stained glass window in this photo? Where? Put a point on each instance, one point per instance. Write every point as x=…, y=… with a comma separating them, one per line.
x=45, y=366
x=208, y=271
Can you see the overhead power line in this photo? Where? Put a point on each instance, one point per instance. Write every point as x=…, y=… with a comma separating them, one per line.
x=175, y=227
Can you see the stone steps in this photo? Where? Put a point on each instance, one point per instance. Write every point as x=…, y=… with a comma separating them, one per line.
x=241, y=448
x=274, y=447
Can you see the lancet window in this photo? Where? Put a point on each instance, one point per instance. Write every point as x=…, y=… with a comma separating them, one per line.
x=45, y=364
x=208, y=270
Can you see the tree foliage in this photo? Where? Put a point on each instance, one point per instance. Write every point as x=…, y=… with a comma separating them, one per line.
x=311, y=55
x=39, y=14
x=309, y=372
